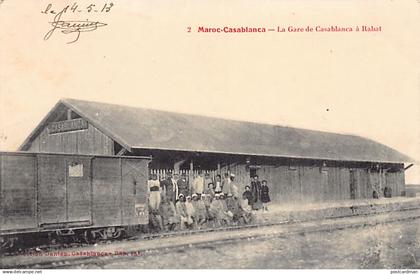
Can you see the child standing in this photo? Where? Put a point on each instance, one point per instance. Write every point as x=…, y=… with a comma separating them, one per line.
x=265, y=196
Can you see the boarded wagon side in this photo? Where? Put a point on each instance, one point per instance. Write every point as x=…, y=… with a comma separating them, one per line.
x=42, y=192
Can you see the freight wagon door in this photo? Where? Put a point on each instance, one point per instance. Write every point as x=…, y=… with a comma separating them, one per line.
x=64, y=190
x=78, y=189
x=51, y=189
x=134, y=190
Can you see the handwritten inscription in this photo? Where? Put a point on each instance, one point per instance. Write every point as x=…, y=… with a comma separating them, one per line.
x=74, y=26
x=50, y=9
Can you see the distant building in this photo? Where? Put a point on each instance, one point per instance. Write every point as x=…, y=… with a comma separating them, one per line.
x=300, y=165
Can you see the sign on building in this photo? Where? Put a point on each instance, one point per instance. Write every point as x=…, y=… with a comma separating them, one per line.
x=68, y=125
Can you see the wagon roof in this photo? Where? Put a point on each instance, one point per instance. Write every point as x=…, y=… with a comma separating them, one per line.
x=140, y=128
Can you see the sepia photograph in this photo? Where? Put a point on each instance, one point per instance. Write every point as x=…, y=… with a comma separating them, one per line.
x=209, y=135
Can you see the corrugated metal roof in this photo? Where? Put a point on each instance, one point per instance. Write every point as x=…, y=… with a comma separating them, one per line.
x=154, y=129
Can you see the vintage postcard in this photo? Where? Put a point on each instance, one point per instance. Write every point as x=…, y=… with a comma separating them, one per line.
x=209, y=135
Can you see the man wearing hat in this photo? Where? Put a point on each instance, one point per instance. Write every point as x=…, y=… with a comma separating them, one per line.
x=256, y=193
x=207, y=202
x=181, y=210
x=210, y=190
x=233, y=206
x=214, y=209
x=190, y=210
x=200, y=211
x=218, y=210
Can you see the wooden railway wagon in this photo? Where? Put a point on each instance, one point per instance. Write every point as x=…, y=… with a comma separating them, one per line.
x=67, y=194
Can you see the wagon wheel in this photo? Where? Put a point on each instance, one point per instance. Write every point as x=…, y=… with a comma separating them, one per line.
x=7, y=243
x=89, y=237
x=117, y=234
x=86, y=237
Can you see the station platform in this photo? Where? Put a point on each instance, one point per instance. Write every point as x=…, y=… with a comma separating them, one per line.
x=278, y=212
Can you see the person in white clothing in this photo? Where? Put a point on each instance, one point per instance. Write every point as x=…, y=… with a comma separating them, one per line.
x=154, y=192
x=198, y=184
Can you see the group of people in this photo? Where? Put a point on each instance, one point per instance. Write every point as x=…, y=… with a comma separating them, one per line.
x=176, y=204
x=258, y=194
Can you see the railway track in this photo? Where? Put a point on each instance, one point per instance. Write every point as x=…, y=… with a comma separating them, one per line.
x=170, y=242
x=149, y=236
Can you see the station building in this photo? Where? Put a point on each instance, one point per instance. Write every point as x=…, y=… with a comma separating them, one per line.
x=301, y=166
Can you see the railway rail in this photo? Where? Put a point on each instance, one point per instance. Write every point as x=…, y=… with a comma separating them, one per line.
x=169, y=242
x=148, y=236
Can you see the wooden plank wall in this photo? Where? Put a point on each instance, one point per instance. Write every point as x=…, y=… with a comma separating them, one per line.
x=17, y=192
x=88, y=141
x=396, y=180
x=283, y=182
x=315, y=184
x=308, y=184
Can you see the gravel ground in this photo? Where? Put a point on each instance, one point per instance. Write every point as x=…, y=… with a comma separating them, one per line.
x=395, y=245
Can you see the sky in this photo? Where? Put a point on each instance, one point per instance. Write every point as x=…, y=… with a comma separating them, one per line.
x=362, y=83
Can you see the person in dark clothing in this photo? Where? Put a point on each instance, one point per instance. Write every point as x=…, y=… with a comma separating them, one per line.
x=218, y=184
x=265, y=196
x=248, y=195
x=256, y=193
x=210, y=190
x=155, y=220
x=169, y=188
x=387, y=192
x=170, y=219
x=183, y=185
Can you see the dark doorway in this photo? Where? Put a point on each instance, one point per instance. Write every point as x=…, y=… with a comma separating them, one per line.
x=352, y=185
